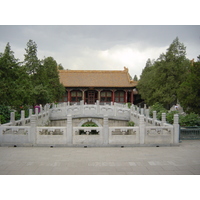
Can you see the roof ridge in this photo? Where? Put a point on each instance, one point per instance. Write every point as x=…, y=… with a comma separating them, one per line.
x=91, y=71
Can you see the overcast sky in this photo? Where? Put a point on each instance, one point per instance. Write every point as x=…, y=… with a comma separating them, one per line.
x=100, y=47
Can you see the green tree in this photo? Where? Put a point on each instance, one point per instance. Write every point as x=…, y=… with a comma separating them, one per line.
x=60, y=67
x=8, y=75
x=56, y=89
x=135, y=78
x=31, y=60
x=47, y=86
x=189, y=91
x=198, y=58
x=159, y=82
x=14, y=82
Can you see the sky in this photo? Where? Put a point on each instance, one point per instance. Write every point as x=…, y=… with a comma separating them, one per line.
x=100, y=47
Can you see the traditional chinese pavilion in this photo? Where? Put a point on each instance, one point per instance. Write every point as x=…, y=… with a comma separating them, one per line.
x=103, y=85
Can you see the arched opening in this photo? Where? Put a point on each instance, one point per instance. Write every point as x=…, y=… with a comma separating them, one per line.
x=89, y=123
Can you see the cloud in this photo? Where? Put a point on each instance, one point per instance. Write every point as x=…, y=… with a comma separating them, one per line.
x=100, y=47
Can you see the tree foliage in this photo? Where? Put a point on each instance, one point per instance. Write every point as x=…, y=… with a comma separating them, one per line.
x=161, y=79
x=189, y=91
x=135, y=78
x=30, y=82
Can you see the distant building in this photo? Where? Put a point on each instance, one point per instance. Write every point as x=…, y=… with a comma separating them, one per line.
x=103, y=85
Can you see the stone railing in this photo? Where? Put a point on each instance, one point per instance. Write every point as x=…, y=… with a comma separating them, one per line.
x=83, y=110
x=41, y=117
x=22, y=132
x=146, y=132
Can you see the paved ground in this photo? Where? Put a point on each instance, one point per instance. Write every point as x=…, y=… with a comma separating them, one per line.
x=182, y=160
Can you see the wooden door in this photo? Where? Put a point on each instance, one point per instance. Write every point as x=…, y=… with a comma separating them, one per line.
x=91, y=97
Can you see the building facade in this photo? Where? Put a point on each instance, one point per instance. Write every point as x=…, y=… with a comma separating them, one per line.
x=104, y=85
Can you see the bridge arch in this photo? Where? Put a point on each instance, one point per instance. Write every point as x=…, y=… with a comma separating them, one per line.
x=89, y=120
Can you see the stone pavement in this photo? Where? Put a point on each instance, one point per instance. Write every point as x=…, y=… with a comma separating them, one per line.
x=179, y=160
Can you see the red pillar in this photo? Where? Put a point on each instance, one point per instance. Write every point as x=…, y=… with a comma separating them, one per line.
x=132, y=97
x=69, y=96
x=126, y=92
x=113, y=95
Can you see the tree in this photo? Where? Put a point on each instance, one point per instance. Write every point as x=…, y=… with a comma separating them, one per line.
x=135, y=78
x=60, y=67
x=14, y=82
x=198, y=58
x=47, y=86
x=8, y=75
x=146, y=85
x=159, y=82
x=31, y=60
x=35, y=82
x=53, y=81
x=149, y=63
x=189, y=91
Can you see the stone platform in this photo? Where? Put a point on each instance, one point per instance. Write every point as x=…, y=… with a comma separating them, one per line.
x=177, y=160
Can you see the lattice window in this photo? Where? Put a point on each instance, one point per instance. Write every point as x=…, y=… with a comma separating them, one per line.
x=106, y=96
x=120, y=96
x=76, y=96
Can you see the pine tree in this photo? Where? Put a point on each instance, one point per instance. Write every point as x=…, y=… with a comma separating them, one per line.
x=189, y=90
x=8, y=75
x=135, y=78
x=159, y=82
x=31, y=60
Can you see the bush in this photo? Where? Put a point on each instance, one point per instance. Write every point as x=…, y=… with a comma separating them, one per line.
x=170, y=116
x=159, y=108
x=131, y=123
x=191, y=119
x=5, y=114
x=2, y=119
x=89, y=124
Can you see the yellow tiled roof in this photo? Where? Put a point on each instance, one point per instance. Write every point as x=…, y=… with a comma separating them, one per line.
x=96, y=78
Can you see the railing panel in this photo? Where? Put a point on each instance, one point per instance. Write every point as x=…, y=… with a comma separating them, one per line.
x=88, y=135
x=51, y=135
x=14, y=134
x=124, y=135
x=159, y=134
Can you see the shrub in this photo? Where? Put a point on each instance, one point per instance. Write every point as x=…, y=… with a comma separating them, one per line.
x=2, y=119
x=131, y=123
x=159, y=108
x=191, y=119
x=170, y=116
x=89, y=124
x=5, y=114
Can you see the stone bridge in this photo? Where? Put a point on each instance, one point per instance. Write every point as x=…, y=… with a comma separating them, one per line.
x=35, y=131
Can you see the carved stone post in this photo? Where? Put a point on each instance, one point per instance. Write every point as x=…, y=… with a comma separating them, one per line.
x=98, y=107
x=105, y=130
x=12, y=118
x=154, y=117
x=36, y=112
x=69, y=130
x=30, y=112
x=147, y=115
x=142, y=129
x=23, y=117
x=176, y=129
x=163, y=118
x=33, y=130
